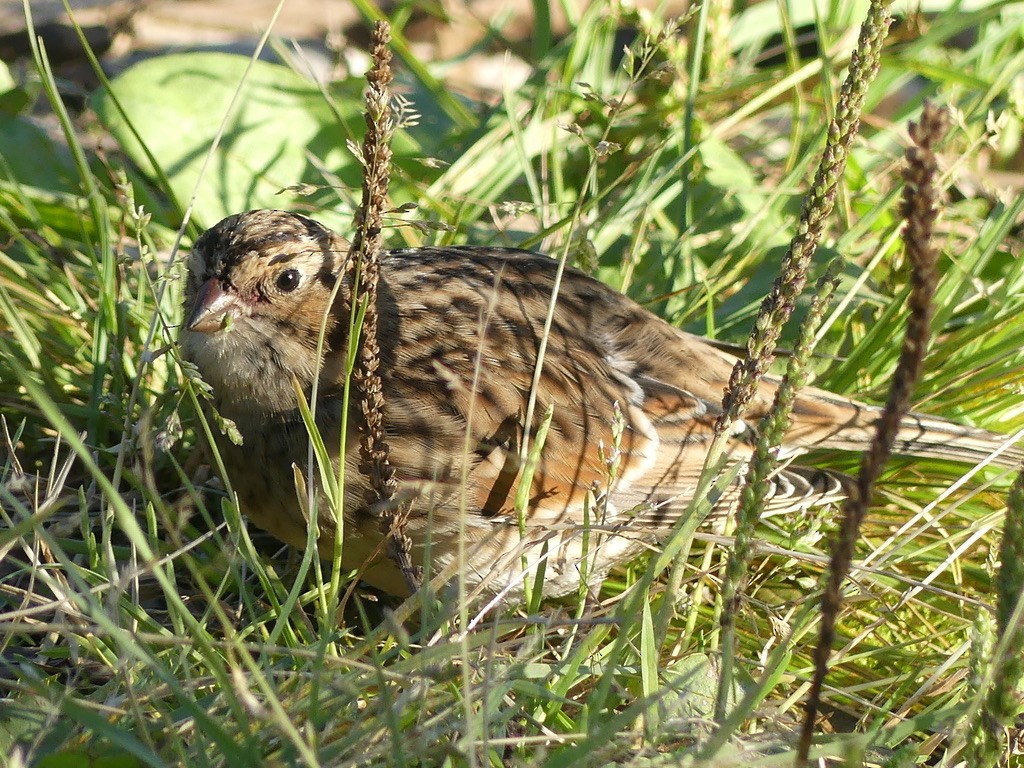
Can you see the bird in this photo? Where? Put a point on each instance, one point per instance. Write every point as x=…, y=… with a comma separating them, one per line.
x=632, y=400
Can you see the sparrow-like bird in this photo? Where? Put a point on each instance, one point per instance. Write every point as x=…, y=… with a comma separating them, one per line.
x=459, y=333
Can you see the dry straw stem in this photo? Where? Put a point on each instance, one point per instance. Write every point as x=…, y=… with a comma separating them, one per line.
x=818, y=204
x=374, y=450
x=920, y=208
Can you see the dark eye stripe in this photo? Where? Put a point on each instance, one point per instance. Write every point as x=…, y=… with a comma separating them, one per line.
x=326, y=277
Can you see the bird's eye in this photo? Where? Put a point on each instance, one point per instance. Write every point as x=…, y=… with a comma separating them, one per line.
x=288, y=280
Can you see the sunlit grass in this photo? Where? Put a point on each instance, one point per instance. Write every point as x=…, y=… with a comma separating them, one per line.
x=140, y=617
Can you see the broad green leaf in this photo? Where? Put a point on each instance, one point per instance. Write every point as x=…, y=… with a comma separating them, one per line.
x=31, y=158
x=279, y=130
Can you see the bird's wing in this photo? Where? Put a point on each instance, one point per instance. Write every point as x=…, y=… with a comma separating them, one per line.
x=633, y=399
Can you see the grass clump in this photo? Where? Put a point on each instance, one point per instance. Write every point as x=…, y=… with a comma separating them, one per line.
x=141, y=620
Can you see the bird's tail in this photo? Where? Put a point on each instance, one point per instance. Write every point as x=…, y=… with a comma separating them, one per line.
x=930, y=437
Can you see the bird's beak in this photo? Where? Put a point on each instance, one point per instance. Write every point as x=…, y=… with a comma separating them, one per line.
x=212, y=306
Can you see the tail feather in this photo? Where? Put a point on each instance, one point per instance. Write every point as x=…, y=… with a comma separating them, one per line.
x=933, y=437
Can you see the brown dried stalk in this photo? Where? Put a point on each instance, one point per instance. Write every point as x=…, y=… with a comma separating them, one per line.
x=374, y=450
x=920, y=208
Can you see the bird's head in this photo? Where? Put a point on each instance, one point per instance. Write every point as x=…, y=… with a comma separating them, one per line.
x=258, y=289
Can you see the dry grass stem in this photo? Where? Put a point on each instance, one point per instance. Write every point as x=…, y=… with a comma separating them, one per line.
x=366, y=245
x=920, y=208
